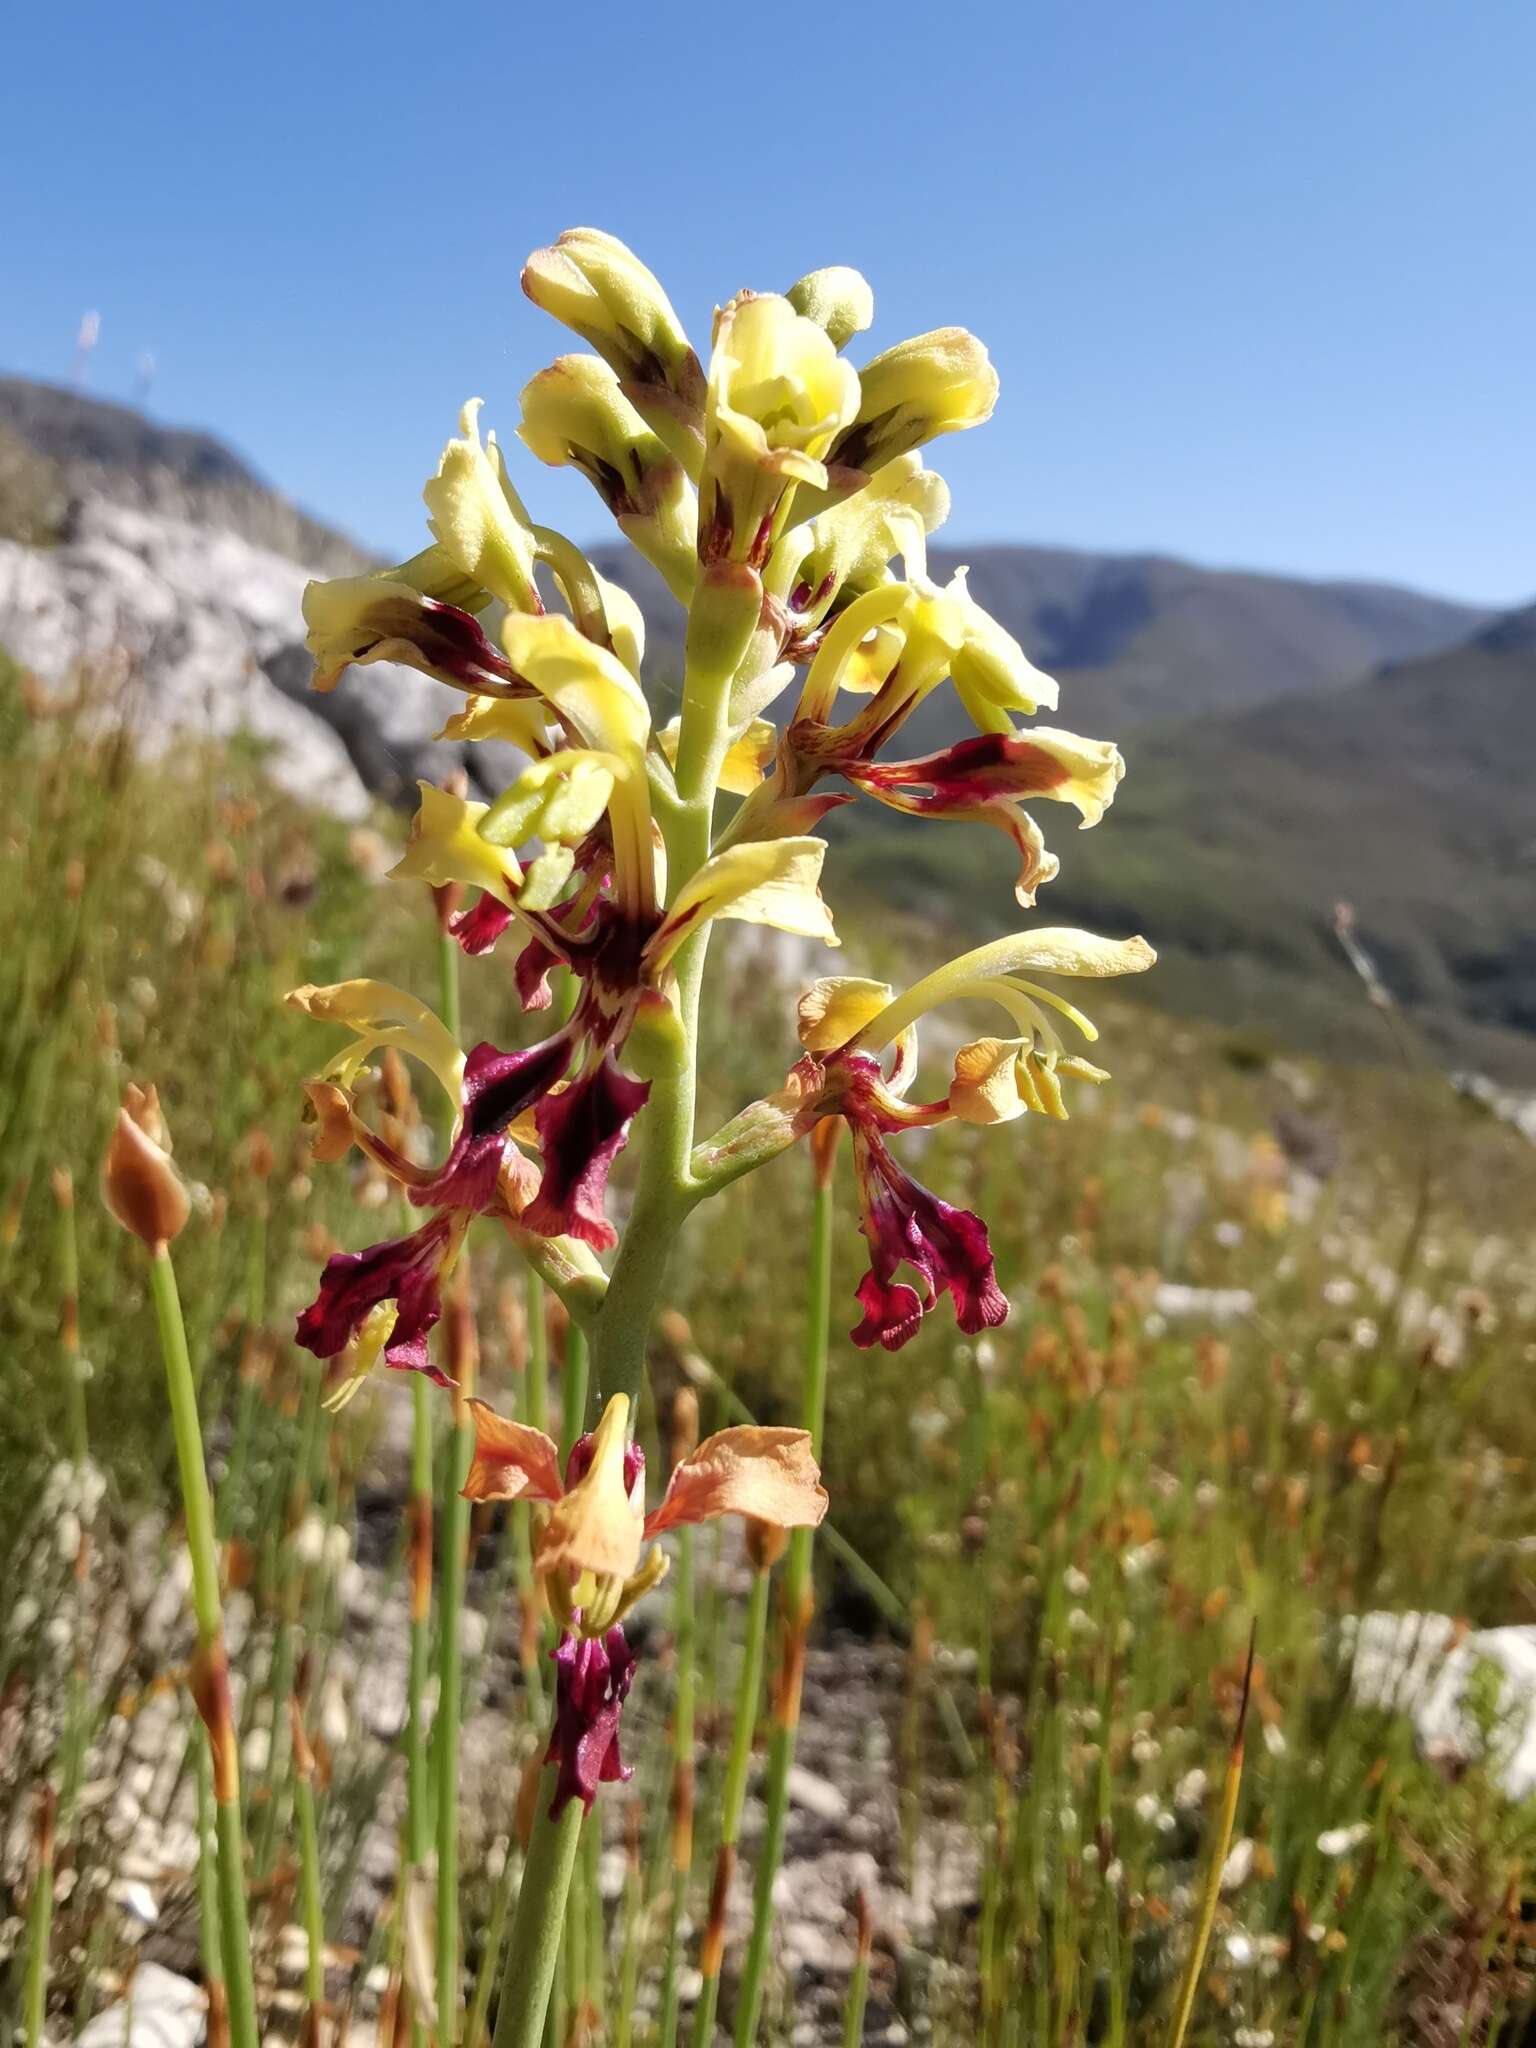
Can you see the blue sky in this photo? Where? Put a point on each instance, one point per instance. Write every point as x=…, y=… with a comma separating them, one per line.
x=1257, y=277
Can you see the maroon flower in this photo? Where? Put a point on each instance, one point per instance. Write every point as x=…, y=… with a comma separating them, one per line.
x=478, y=928
x=592, y=1680
x=581, y=1131
x=531, y=972
x=498, y=1086
x=405, y=1270
x=947, y=1248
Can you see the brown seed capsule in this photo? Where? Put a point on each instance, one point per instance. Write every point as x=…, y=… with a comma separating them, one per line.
x=138, y=1182
x=766, y=1544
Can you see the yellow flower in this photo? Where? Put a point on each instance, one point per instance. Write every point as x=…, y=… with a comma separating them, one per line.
x=933, y=384
x=390, y=617
x=747, y=759
x=379, y=1015
x=479, y=520
x=575, y=414
x=603, y=292
x=837, y=299
x=996, y=1079
x=779, y=394
x=445, y=846
x=763, y=882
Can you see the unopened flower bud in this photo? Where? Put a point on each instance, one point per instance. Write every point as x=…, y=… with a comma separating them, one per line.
x=933, y=384
x=139, y=1184
x=837, y=299
x=574, y=413
x=604, y=293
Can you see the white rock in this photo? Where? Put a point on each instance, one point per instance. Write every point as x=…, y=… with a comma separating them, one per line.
x=160, y=2010
x=1415, y=1664
x=817, y=1795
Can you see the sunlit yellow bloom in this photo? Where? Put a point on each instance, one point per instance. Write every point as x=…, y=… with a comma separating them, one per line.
x=845, y=550
x=930, y=385
x=837, y=1008
x=479, y=520
x=779, y=394
x=763, y=882
x=603, y=292
x=521, y=722
x=837, y=299
x=379, y=1015
x=747, y=759
x=603, y=706
x=445, y=846
x=418, y=613
x=575, y=414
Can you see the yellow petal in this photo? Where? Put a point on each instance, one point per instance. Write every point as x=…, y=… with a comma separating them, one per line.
x=747, y=759
x=768, y=1474
x=584, y=683
x=596, y=1527
x=379, y=1015
x=763, y=882
x=445, y=846
x=832, y=1010
x=521, y=722
x=479, y=520
x=558, y=799
x=985, y=1088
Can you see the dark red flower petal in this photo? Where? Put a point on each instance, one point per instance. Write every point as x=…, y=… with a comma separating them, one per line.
x=405, y=1270
x=581, y=1131
x=478, y=928
x=905, y=1224
x=498, y=1086
x=592, y=1681
x=531, y=972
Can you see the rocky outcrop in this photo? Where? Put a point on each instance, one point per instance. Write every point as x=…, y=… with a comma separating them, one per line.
x=189, y=629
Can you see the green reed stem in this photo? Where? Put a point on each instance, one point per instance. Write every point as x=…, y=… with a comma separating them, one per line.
x=798, y=1597
x=212, y=1673
x=208, y=1943
x=733, y=1793
x=682, y=1780
x=40, y=1921
x=495, y=1934
x=573, y=1414
x=309, y=1889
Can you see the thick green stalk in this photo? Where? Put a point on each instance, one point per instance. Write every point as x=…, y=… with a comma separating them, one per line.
x=310, y=1904
x=797, y=1619
x=211, y=1668
x=663, y=1047
x=534, y=1948
x=733, y=1792
x=573, y=1413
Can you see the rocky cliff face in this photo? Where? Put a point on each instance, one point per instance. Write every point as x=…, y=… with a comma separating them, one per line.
x=189, y=628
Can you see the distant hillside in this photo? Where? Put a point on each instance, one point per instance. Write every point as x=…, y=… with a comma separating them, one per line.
x=58, y=445
x=1232, y=838
x=1137, y=639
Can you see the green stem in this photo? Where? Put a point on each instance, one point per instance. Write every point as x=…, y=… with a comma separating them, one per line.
x=495, y=1933
x=539, y=1922
x=797, y=1608
x=208, y=1942
x=682, y=1782
x=733, y=1793
x=207, y=1607
x=40, y=1921
x=309, y=1895
x=573, y=1417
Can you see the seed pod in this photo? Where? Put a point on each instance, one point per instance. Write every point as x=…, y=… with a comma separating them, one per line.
x=139, y=1184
